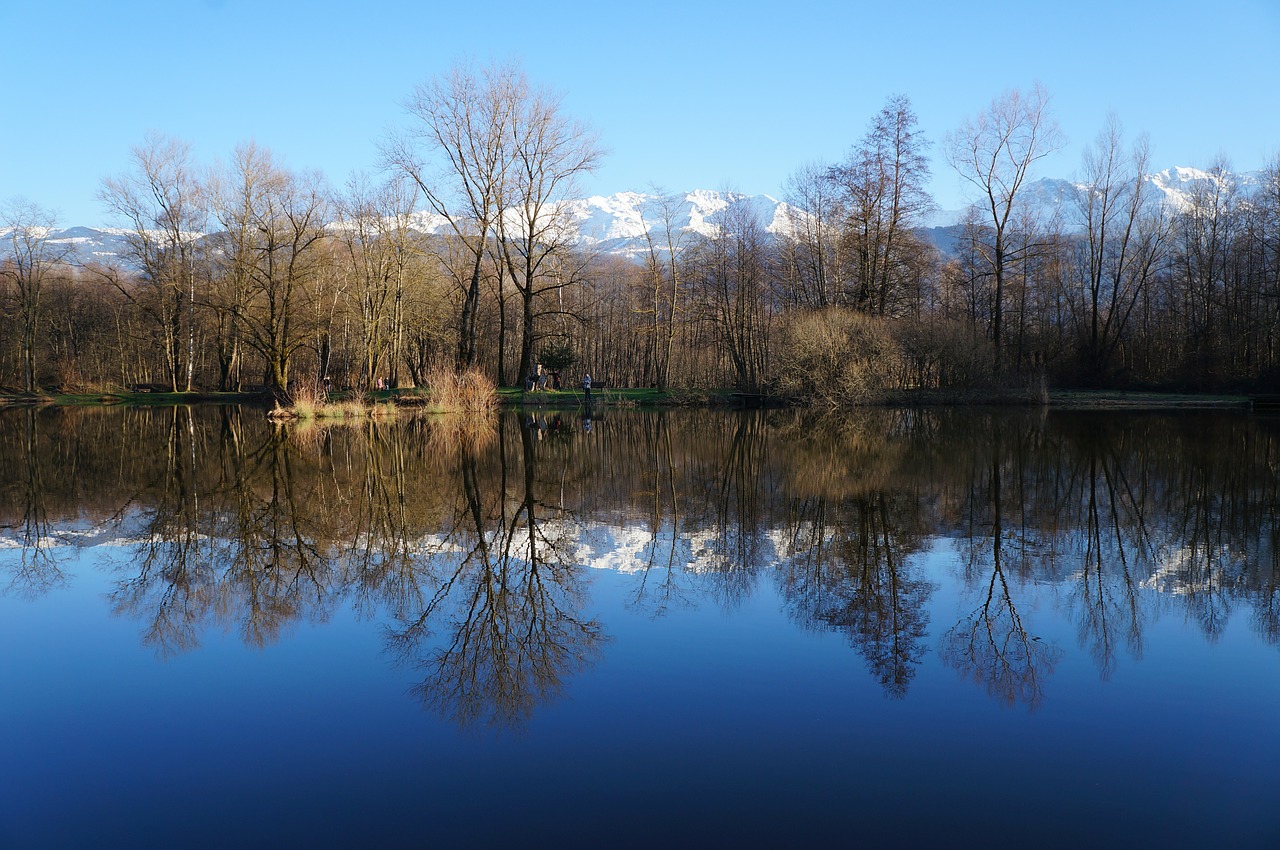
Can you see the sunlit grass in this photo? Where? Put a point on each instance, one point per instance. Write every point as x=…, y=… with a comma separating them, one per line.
x=460, y=392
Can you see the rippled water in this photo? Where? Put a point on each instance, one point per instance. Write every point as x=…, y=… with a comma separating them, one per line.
x=969, y=628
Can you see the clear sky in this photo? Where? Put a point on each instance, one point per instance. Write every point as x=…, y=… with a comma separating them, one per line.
x=684, y=95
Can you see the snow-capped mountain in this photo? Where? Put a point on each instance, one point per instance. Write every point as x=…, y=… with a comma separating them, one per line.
x=617, y=224
x=613, y=224
x=1053, y=197
x=80, y=245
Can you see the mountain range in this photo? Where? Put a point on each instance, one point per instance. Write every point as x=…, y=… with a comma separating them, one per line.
x=617, y=224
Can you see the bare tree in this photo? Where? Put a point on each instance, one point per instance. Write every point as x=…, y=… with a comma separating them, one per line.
x=995, y=152
x=275, y=222
x=733, y=270
x=358, y=229
x=236, y=191
x=457, y=153
x=1125, y=236
x=32, y=257
x=403, y=252
x=1205, y=234
x=883, y=189
x=164, y=204
x=664, y=254
x=1268, y=218
x=549, y=150
x=814, y=213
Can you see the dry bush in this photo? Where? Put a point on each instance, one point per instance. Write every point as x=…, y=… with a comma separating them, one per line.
x=837, y=356
x=306, y=399
x=467, y=392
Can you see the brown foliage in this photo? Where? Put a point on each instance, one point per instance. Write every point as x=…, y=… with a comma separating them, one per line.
x=836, y=356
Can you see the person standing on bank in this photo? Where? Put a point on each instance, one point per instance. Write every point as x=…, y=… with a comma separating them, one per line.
x=586, y=386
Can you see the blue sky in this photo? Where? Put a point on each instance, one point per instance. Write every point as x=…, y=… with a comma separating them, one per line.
x=683, y=95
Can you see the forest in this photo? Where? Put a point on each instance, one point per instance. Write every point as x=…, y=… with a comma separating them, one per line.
x=247, y=275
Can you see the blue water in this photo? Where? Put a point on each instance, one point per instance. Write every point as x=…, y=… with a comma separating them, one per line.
x=838, y=655
x=705, y=725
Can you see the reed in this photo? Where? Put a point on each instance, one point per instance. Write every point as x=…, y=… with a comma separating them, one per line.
x=461, y=392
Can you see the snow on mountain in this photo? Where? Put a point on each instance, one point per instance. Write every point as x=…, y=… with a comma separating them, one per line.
x=1178, y=185
x=1055, y=199
x=79, y=245
x=616, y=224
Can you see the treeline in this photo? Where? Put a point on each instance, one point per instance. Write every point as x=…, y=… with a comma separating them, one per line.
x=249, y=274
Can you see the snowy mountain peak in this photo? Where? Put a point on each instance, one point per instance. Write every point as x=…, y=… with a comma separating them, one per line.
x=618, y=223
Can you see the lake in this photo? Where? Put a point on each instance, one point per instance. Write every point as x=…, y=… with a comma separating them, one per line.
x=685, y=628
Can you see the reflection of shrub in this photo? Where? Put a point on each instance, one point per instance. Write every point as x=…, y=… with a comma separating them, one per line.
x=837, y=356
x=449, y=433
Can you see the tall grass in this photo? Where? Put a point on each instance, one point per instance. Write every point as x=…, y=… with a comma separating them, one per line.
x=461, y=392
x=310, y=401
x=447, y=391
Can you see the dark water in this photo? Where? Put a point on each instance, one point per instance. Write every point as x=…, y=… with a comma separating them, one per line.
x=929, y=628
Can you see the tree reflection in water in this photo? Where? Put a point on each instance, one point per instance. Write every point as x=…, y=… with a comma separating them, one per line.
x=471, y=542
x=1114, y=541
x=992, y=644
x=849, y=540
x=37, y=570
x=510, y=600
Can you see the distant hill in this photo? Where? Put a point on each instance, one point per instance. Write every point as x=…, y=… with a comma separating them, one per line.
x=616, y=224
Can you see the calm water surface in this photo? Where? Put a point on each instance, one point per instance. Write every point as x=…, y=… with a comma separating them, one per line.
x=680, y=629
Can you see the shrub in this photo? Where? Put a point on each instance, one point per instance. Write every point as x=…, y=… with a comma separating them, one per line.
x=469, y=392
x=836, y=356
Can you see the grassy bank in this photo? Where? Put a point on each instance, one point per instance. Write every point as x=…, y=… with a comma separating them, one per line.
x=1107, y=400
x=341, y=406
x=132, y=398
x=617, y=397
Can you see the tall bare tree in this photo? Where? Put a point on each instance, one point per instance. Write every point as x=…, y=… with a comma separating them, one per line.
x=276, y=220
x=1206, y=231
x=883, y=188
x=734, y=278
x=995, y=152
x=1268, y=218
x=663, y=258
x=549, y=151
x=403, y=252
x=163, y=202
x=236, y=190
x=457, y=152
x=1126, y=233
x=358, y=229
x=32, y=257
x=815, y=213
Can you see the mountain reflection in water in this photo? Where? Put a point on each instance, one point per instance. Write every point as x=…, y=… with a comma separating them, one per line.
x=471, y=542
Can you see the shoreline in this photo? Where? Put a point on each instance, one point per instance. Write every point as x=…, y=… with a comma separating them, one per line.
x=515, y=398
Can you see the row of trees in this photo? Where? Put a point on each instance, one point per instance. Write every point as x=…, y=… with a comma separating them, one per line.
x=250, y=273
